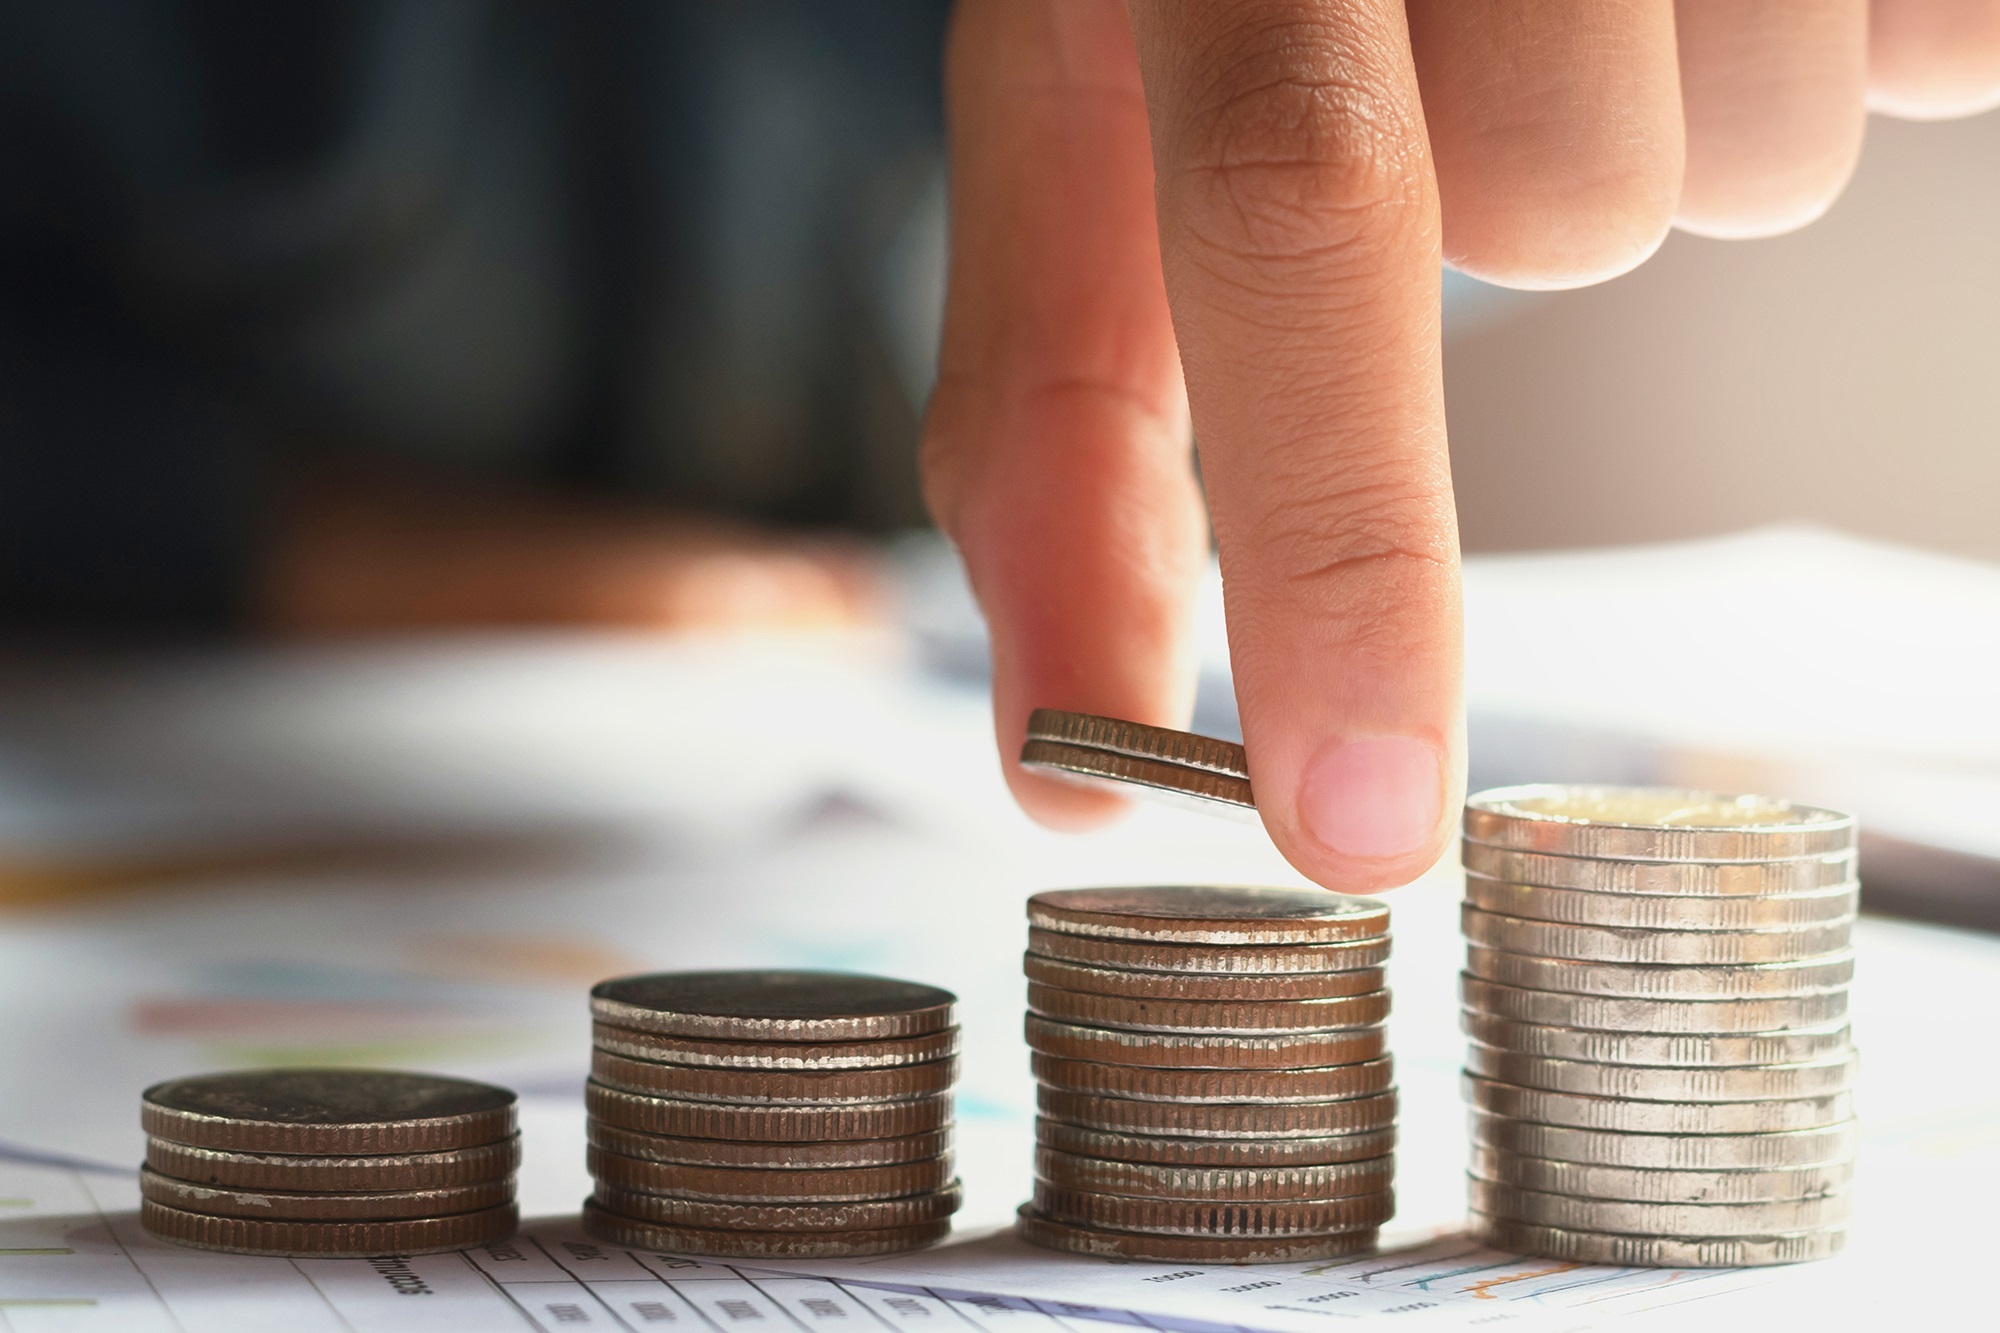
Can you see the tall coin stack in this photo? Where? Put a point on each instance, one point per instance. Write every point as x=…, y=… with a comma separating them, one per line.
x=317, y=1163
x=771, y=1114
x=1214, y=1078
x=1660, y=1069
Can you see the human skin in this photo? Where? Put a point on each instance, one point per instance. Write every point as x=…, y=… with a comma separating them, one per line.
x=1227, y=219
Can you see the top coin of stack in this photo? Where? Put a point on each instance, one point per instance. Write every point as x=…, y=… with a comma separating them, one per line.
x=771, y=1114
x=328, y=1162
x=1175, y=766
x=1214, y=1080
x=1660, y=1067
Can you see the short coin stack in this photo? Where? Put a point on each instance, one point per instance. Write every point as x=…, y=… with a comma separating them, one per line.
x=1214, y=1079
x=1660, y=1069
x=329, y=1162
x=771, y=1114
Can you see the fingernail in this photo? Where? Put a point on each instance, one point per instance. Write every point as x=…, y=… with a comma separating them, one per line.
x=1377, y=798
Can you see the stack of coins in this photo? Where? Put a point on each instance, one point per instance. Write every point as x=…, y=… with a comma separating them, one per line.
x=1660, y=1070
x=1178, y=767
x=771, y=1114
x=1214, y=1079
x=313, y=1163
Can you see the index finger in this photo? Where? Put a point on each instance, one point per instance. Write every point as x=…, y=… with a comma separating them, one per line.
x=1299, y=234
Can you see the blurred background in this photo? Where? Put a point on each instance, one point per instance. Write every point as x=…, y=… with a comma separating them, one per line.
x=459, y=539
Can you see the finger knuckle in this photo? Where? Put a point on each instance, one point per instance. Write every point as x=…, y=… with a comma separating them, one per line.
x=1355, y=540
x=1295, y=142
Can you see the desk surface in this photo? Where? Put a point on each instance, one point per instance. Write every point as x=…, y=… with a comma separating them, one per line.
x=861, y=825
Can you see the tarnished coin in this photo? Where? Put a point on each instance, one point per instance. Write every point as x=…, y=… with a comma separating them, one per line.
x=1812, y=976
x=1708, y=1050
x=1652, y=912
x=1209, y=914
x=1302, y=1120
x=778, y=1154
x=1333, y=1083
x=780, y=1006
x=319, y=1112
x=1610, y=944
x=1781, y=1151
x=1652, y=824
x=758, y=1124
x=1202, y=789
x=1138, y=740
x=1612, y=1014
x=1209, y=1017
x=1566, y=1108
x=1234, y=1153
x=1590, y=1247
x=1162, y=1050
x=1054, y=1235
x=1201, y=987
x=324, y=1240
x=278, y=1171
x=1641, y=1185
x=712, y=1215
x=854, y=1243
x=1658, y=1219
x=637, y=1045
x=1068, y=1171
x=1664, y=1083
x=768, y=1185
x=1210, y=960
x=316, y=1206
x=1195, y=1217
x=1755, y=879
x=795, y=1087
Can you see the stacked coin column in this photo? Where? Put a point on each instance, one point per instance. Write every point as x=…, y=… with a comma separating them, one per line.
x=1214, y=1079
x=771, y=1114
x=1660, y=1069
x=321, y=1163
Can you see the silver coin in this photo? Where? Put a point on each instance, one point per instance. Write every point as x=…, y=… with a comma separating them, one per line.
x=1183, y=785
x=1654, y=981
x=1238, y=1153
x=1707, y=1050
x=1611, y=1014
x=1569, y=1108
x=1652, y=824
x=1641, y=1185
x=1138, y=740
x=1264, y=988
x=1784, y=1150
x=1215, y=1184
x=1218, y=1018
x=1166, y=1050
x=1693, y=879
x=1582, y=907
x=1653, y=1083
x=638, y=1045
x=1210, y=914
x=1218, y=961
x=1121, y=1246
x=1233, y=1087
x=1218, y=1120
x=1612, y=944
x=1657, y=1219
x=1596, y=1247
x=772, y=1005
x=1198, y=1217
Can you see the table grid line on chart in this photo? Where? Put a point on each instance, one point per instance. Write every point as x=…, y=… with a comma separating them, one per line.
x=79, y=1260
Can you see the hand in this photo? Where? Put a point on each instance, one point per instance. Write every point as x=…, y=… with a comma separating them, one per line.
x=1263, y=192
